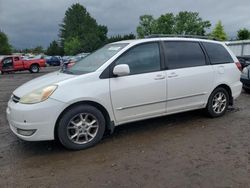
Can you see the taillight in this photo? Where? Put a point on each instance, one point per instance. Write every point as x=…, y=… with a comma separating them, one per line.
x=239, y=66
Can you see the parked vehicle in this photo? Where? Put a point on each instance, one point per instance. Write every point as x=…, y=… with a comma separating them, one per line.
x=73, y=59
x=82, y=55
x=54, y=61
x=125, y=82
x=1, y=57
x=245, y=78
x=66, y=58
x=244, y=61
x=16, y=63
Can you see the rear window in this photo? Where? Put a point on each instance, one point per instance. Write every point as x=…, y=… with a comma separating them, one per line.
x=217, y=53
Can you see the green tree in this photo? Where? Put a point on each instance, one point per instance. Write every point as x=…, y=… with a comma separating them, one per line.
x=38, y=50
x=218, y=32
x=120, y=37
x=54, y=49
x=184, y=23
x=165, y=24
x=190, y=23
x=243, y=34
x=79, y=25
x=147, y=26
x=5, y=47
x=72, y=46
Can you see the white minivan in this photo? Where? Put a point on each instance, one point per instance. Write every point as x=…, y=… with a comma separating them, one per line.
x=124, y=82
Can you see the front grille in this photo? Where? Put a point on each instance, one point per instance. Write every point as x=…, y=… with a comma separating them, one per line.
x=15, y=98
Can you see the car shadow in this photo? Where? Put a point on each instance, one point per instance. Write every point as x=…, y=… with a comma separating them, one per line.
x=120, y=132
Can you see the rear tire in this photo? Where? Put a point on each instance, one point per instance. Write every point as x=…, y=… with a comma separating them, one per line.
x=81, y=127
x=34, y=68
x=217, y=103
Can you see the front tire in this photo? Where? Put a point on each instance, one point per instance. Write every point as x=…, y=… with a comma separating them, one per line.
x=34, y=69
x=218, y=103
x=81, y=127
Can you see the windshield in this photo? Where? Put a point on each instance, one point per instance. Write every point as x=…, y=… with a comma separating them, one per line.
x=95, y=60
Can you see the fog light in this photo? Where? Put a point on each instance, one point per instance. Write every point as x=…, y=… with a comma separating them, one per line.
x=26, y=132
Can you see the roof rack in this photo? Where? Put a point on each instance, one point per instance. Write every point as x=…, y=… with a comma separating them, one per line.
x=181, y=36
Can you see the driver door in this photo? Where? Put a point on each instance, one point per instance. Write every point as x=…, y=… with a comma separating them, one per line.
x=17, y=63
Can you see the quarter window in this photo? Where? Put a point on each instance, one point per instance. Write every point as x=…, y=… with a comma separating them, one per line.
x=217, y=53
x=182, y=54
x=142, y=59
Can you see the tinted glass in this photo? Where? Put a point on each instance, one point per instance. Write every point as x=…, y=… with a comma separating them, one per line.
x=217, y=53
x=96, y=59
x=142, y=59
x=184, y=54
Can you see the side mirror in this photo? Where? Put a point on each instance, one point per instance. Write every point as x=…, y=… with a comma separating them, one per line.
x=121, y=70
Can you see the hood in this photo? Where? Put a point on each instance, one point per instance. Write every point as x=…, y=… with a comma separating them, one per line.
x=48, y=79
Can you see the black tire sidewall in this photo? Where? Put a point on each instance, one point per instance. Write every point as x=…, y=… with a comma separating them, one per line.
x=209, y=107
x=68, y=115
x=34, y=66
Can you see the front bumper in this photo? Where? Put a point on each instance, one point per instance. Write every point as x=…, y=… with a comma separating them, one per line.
x=40, y=117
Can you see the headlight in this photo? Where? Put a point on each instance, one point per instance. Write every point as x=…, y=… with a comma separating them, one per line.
x=38, y=95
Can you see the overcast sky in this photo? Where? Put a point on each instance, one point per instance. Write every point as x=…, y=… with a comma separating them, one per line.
x=29, y=23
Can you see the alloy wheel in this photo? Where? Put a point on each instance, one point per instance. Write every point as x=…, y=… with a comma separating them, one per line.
x=82, y=128
x=219, y=102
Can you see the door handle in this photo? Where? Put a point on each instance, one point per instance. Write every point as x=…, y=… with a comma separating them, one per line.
x=172, y=75
x=159, y=77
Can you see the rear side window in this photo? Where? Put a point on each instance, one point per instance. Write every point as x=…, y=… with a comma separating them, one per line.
x=16, y=58
x=217, y=53
x=142, y=59
x=182, y=54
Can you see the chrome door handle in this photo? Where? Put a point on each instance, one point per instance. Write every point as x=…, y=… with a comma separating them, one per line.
x=159, y=77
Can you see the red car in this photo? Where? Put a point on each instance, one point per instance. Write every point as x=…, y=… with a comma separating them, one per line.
x=16, y=63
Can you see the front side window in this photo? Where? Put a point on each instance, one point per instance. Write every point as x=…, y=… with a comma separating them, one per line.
x=183, y=54
x=96, y=59
x=142, y=58
x=217, y=53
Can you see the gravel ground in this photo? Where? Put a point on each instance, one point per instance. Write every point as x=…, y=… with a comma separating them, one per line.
x=183, y=150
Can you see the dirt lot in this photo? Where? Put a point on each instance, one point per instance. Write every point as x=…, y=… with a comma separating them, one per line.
x=184, y=150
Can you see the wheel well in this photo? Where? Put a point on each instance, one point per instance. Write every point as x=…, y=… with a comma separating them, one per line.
x=109, y=123
x=35, y=64
x=228, y=89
